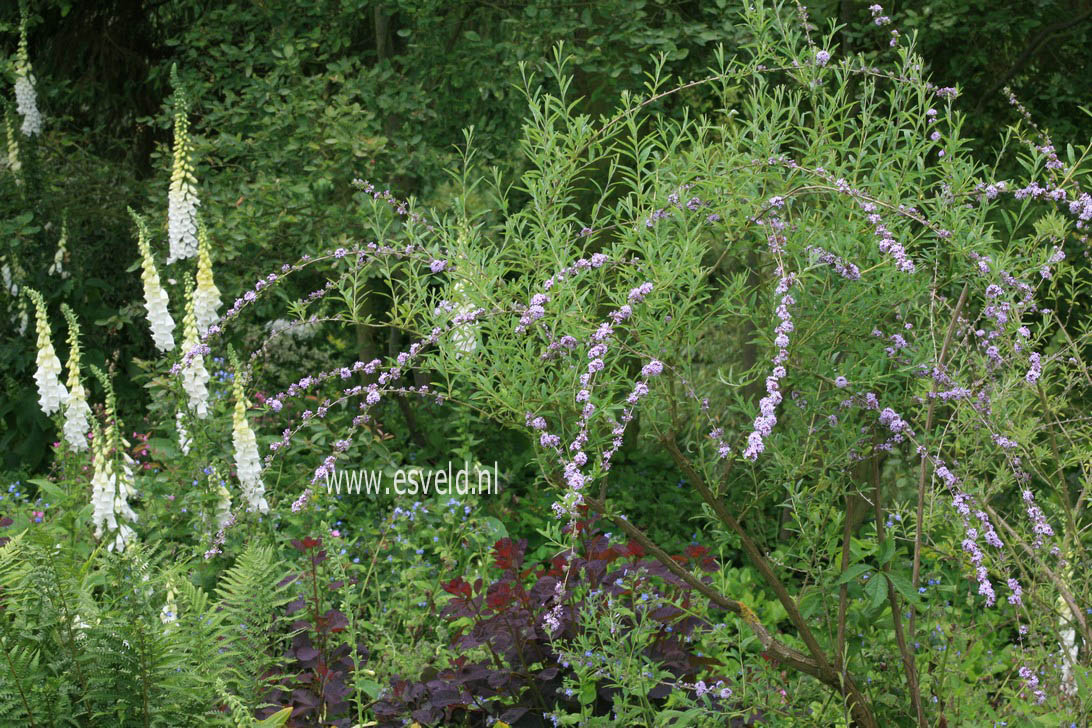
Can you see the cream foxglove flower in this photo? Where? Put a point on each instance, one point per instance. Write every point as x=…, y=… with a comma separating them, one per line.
x=26, y=102
x=9, y=283
x=111, y=488
x=103, y=488
x=169, y=614
x=223, y=508
x=155, y=298
x=57, y=268
x=247, y=465
x=184, y=440
x=51, y=393
x=126, y=490
x=195, y=377
x=14, y=164
x=182, y=199
x=76, y=410
x=464, y=338
x=206, y=297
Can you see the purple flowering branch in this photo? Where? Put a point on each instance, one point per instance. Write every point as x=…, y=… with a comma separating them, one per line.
x=372, y=252
x=597, y=346
x=767, y=417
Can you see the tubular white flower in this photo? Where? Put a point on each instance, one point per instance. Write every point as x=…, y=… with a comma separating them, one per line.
x=57, y=267
x=223, y=508
x=182, y=199
x=111, y=489
x=51, y=393
x=206, y=296
x=1068, y=642
x=125, y=489
x=184, y=440
x=169, y=614
x=155, y=298
x=464, y=338
x=14, y=164
x=26, y=102
x=195, y=377
x=76, y=410
x=9, y=283
x=103, y=489
x=247, y=465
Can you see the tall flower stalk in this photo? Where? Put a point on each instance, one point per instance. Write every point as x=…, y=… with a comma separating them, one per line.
x=15, y=163
x=26, y=102
x=195, y=377
x=51, y=393
x=56, y=268
x=247, y=465
x=182, y=199
x=113, y=481
x=76, y=409
x=206, y=296
x=155, y=298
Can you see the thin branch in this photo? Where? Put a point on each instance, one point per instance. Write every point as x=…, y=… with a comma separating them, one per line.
x=1063, y=590
x=893, y=599
x=915, y=578
x=859, y=707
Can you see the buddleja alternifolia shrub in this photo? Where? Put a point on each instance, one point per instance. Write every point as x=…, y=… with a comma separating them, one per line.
x=829, y=315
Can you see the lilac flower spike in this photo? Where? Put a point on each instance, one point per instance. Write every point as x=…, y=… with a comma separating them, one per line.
x=767, y=417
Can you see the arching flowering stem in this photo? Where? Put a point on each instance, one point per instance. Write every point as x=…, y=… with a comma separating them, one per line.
x=400, y=207
x=372, y=394
x=597, y=347
x=767, y=416
x=370, y=253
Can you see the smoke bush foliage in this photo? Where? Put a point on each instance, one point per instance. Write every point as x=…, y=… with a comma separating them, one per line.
x=823, y=309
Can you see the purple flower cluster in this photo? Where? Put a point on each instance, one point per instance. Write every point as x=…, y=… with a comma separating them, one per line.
x=372, y=393
x=723, y=448
x=220, y=537
x=400, y=207
x=537, y=308
x=1039, y=525
x=849, y=271
x=1031, y=682
x=1036, y=370
x=767, y=407
x=674, y=200
x=370, y=253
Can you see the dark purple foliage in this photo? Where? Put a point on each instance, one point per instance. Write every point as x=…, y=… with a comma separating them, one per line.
x=524, y=676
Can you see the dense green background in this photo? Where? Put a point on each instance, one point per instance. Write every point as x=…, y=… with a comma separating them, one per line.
x=292, y=100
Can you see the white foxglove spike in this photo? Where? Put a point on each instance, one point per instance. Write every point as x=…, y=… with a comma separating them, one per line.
x=195, y=377
x=51, y=393
x=155, y=298
x=112, y=487
x=26, y=102
x=247, y=464
x=182, y=202
x=206, y=296
x=76, y=409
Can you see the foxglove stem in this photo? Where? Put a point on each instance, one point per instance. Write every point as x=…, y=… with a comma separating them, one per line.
x=51, y=393
x=247, y=464
x=195, y=377
x=206, y=296
x=155, y=298
x=182, y=199
x=26, y=102
x=76, y=409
